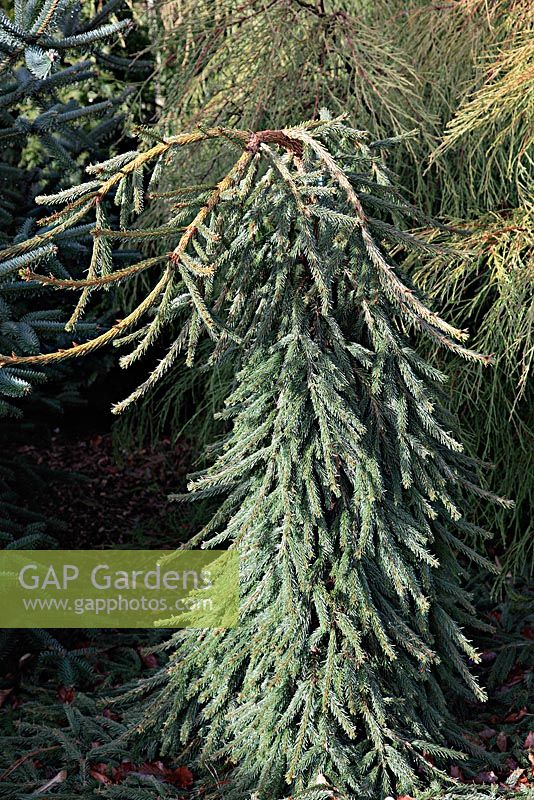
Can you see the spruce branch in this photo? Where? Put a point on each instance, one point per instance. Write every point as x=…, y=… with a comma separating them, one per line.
x=88, y=198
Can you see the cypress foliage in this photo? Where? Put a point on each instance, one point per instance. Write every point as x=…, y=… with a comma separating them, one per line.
x=480, y=63
x=341, y=481
x=490, y=282
x=485, y=164
x=241, y=61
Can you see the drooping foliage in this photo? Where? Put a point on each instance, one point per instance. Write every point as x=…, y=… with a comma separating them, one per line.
x=487, y=152
x=240, y=64
x=340, y=479
x=460, y=73
x=488, y=286
x=392, y=66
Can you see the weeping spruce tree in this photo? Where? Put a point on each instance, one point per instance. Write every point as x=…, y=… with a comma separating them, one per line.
x=339, y=480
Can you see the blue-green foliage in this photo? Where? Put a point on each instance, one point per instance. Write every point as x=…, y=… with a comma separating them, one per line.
x=340, y=480
x=51, y=121
x=47, y=61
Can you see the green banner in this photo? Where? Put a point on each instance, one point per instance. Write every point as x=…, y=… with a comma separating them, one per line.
x=119, y=588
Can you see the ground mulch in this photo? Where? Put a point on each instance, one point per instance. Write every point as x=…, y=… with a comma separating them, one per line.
x=102, y=498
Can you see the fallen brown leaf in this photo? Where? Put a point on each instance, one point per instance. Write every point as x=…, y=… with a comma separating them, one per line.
x=66, y=694
x=183, y=777
x=515, y=716
x=98, y=772
x=514, y=777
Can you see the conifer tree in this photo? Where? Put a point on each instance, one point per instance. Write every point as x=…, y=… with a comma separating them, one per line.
x=48, y=54
x=340, y=479
x=485, y=164
x=55, y=113
x=43, y=121
x=461, y=74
